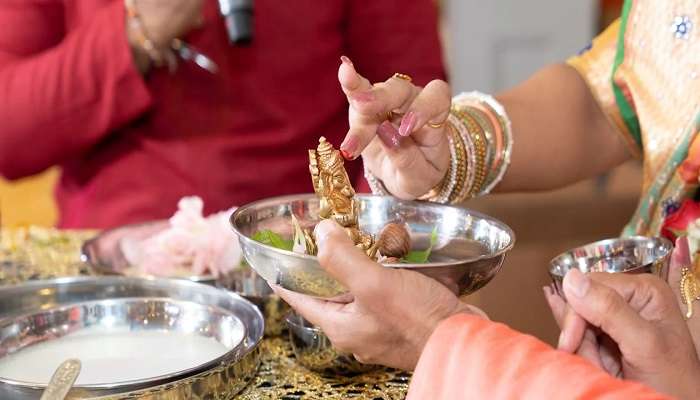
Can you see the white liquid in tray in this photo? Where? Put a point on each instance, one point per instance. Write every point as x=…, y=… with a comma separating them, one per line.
x=110, y=356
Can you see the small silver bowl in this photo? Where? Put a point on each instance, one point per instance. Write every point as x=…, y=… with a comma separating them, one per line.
x=632, y=255
x=247, y=283
x=314, y=350
x=469, y=252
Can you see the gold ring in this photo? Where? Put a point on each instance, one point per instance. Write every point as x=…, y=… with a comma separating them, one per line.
x=438, y=125
x=402, y=76
x=393, y=114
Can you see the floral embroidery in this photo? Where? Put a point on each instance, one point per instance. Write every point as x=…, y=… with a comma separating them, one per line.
x=681, y=27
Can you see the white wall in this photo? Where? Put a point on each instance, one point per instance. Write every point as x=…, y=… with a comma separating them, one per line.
x=493, y=44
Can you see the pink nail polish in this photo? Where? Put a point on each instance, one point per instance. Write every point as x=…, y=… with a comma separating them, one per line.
x=346, y=60
x=365, y=96
x=408, y=122
x=349, y=148
x=389, y=135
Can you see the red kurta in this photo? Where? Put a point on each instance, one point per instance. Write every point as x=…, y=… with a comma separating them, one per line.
x=130, y=148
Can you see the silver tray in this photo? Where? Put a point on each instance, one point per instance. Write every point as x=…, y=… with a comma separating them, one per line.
x=45, y=310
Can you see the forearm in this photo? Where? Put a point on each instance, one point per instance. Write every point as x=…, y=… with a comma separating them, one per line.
x=471, y=357
x=57, y=103
x=560, y=133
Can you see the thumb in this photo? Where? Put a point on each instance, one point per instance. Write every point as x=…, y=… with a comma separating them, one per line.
x=605, y=308
x=338, y=255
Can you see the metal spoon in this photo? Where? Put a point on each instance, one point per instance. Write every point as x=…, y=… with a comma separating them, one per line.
x=189, y=53
x=62, y=380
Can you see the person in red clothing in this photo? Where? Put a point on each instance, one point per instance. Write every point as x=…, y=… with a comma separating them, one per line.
x=407, y=320
x=78, y=89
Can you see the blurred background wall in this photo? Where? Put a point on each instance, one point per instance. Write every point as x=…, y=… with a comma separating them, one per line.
x=490, y=45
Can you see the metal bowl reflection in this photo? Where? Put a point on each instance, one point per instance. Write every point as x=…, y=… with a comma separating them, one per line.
x=314, y=350
x=40, y=312
x=469, y=252
x=632, y=255
x=105, y=254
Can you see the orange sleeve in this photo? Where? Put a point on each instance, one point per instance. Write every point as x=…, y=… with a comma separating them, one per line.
x=596, y=65
x=469, y=357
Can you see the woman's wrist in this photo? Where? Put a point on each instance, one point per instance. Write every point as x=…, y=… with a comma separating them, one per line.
x=478, y=128
x=145, y=51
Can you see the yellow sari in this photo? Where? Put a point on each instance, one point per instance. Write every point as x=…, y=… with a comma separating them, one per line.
x=644, y=71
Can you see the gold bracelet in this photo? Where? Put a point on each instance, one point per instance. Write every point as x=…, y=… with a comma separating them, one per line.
x=459, y=190
x=159, y=57
x=475, y=134
x=500, y=144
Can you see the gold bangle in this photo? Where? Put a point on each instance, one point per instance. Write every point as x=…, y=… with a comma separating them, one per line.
x=476, y=135
x=460, y=179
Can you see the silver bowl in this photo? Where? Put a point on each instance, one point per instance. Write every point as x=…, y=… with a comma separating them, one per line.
x=104, y=254
x=39, y=312
x=470, y=250
x=632, y=255
x=314, y=350
x=247, y=283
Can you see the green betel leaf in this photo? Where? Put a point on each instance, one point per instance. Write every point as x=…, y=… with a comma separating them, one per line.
x=421, y=256
x=273, y=239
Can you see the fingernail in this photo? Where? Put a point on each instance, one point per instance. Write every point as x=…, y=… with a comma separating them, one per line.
x=349, y=148
x=681, y=254
x=321, y=232
x=362, y=96
x=547, y=291
x=562, y=341
x=346, y=60
x=577, y=282
x=389, y=135
x=408, y=122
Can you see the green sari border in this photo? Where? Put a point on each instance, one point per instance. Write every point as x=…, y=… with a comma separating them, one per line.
x=629, y=115
x=648, y=218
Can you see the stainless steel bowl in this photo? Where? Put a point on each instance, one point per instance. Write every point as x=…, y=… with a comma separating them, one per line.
x=104, y=254
x=314, y=350
x=632, y=255
x=247, y=283
x=42, y=311
x=470, y=250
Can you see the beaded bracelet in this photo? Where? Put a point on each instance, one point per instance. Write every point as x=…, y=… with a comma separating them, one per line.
x=135, y=26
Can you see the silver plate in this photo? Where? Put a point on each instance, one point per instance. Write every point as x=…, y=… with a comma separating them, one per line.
x=470, y=250
x=105, y=256
x=46, y=310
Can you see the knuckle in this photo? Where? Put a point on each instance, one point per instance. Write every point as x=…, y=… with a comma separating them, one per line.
x=439, y=87
x=611, y=303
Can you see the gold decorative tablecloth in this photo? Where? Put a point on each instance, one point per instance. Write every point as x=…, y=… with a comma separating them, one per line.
x=50, y=253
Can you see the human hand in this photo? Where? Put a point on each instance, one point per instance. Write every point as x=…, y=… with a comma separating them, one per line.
x=631, y=326
x=393, y=311
x=681, y=259
x=406, y=153
x=165, y=20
